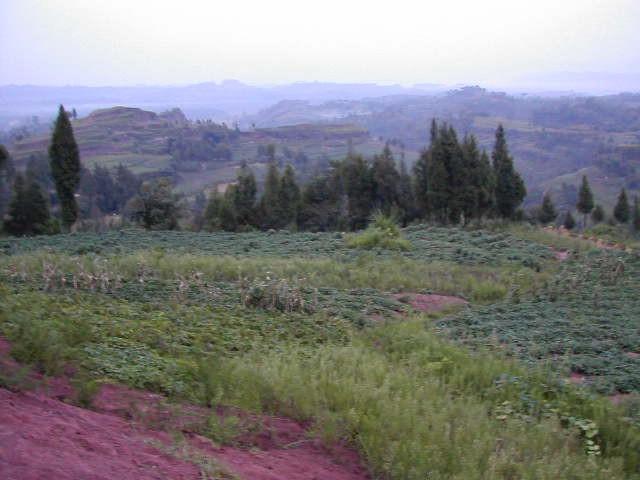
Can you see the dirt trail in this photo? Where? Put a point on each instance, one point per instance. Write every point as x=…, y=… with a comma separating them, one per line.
x=428, y=303
x=130, y=434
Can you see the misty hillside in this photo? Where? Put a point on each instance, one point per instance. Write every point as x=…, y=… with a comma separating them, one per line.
x=553, y=139
x=198, y=154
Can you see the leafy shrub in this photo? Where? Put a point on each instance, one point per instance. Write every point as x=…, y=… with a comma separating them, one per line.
x=382, y=232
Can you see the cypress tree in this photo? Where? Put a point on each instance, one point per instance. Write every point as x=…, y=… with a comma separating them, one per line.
x=622, y=210
x=585, y=200
x=569, y=221
x=597, y=215
x=65, y=166
x=438, y=184
x=547, y=213
x=635, y=219
x=510, y=189
x=288, y=197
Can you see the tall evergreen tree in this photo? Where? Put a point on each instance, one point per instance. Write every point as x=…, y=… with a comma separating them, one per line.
x=358, y=186
x=635, y=218
x=288, y=197
x=509, y=189
x=385, y=181
x=585, y=200
x=244, y=197
x=65, y=167
x=438, y=182
x=622, y=210
x=547, y=212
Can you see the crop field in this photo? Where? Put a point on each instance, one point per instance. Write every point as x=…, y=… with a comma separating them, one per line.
x=303, y=325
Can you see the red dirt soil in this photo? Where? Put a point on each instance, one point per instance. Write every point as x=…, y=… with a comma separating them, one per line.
x=429, y=303
x=122, y=437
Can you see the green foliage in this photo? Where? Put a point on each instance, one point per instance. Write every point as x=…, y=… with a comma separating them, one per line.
x=383, y=232
x=569, y=222
x=597, y=215
x=510, y=189
x=65, y=166
x=635, y=219
x=583, y=320
x=28, y=211
x=547, y=213
x=300, y=325
x=585, y=197
x=622, y=210
x=156, y=207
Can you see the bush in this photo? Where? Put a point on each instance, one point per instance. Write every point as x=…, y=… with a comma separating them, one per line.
x=383, y=232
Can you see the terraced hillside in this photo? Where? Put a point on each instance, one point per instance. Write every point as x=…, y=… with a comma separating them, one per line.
x=198, y=154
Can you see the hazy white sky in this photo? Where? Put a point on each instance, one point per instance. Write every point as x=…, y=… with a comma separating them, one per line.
x=118, y=42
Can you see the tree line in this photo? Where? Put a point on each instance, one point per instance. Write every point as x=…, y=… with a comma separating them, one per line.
x=453, y=181
x=623, y=213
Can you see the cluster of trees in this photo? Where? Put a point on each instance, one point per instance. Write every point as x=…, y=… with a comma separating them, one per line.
x=28, y=209
x=623, y=212
x=452, y=182
x=61, y=181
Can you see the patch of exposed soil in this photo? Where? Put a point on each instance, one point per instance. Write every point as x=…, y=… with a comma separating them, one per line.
x=560, y=255
x=429, y=303
x=128, y=434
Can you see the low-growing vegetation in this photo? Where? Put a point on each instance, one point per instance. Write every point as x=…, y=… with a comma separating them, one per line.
x=303, y=325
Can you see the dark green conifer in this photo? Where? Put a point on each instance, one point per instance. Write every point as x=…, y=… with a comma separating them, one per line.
x=385, y=181
x=510, y=189
x=585, y=200
x=243, y=197
x=635, y=218
x=547, y=212
x=288, y=197
x=65, y=167
x=622, y=210
x=569, y=221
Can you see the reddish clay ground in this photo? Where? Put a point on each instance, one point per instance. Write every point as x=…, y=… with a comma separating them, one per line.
x=126, y=437
x=429, y=303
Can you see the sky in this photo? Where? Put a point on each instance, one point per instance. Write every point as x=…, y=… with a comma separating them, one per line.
x=157, y=42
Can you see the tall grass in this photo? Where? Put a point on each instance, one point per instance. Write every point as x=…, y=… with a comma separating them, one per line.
x=478, y=283
x=417, y=408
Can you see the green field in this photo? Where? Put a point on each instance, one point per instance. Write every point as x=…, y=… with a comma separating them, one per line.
x=303, y=325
